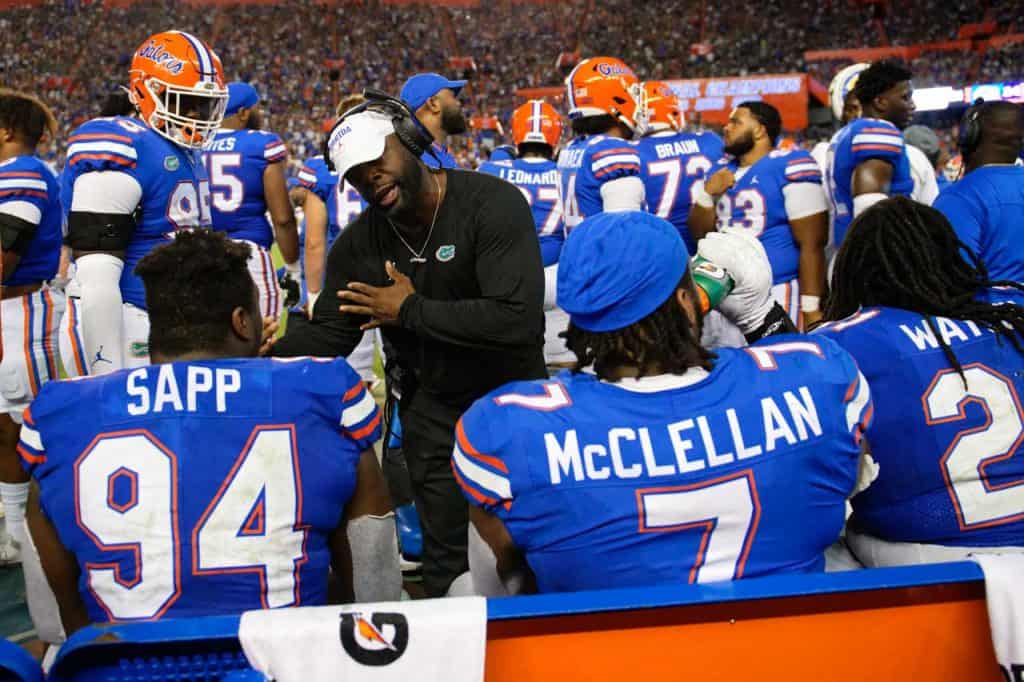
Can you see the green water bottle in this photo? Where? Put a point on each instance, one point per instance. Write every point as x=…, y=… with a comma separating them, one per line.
x=713, y=283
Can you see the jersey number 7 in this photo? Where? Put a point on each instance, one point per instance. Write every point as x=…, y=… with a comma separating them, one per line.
x=250, y=526
x=724, y=511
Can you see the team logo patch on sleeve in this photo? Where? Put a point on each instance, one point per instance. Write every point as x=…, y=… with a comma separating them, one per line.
x=171, y=163
x=445, y=253
x=374, y=639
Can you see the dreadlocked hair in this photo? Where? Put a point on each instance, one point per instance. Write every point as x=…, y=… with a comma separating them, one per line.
x=664, y=342
x=902, y=254
x=193, y=285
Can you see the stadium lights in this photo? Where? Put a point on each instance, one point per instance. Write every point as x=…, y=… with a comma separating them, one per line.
x=938, y=99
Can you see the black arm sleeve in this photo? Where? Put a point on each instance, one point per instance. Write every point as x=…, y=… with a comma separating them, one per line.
x=100, y=231
x=775, y=322
x=511, y=279
x=330, y=333
x=15, y=233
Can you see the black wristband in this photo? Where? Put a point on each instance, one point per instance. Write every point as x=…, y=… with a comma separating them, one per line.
x=775, y=322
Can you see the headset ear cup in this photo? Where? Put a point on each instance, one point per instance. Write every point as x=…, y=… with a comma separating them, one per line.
x=416, y=140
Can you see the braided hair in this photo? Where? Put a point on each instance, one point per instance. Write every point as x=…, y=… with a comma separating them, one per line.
x=902, y=254
x=664, y=342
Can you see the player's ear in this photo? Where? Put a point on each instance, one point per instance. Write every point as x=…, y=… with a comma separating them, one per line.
x=688, y=302
x=244, y=326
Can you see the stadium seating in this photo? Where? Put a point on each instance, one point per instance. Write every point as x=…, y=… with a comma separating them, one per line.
x=925, y=622
x=304, y=56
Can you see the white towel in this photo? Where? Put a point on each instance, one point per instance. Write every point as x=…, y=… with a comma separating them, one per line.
x=432, y=639
x=1004, y=595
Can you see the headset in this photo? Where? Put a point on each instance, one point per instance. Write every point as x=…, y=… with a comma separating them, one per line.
x=408, y=129
x=970, y=129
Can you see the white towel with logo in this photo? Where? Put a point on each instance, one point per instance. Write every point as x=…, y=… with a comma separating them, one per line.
x=1004, y=596
x=431, y=639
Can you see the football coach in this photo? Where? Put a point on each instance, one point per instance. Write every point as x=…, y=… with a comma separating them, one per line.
x=447, y=264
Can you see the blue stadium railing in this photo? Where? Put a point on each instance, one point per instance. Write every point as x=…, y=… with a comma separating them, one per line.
x=208, y=648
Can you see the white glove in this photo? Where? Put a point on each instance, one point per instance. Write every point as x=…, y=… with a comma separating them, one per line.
x=311, y=297
x=744, y=258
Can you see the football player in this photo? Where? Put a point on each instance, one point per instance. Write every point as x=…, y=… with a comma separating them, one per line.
x=673, y=160
x=776, y=195
x=330, y=205
x=211, y=482
x=844, y=105
x=986, y=206
x=600, y=168
x=665, y=463
x=134, y=183
x=946, y=372
x=867, y=159
x=31, y=230
x=246, y=167
x=536, y=130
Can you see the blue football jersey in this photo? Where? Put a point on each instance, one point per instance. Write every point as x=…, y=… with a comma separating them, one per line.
x=235, y=162
x=175, y=190
x=740, y=472
x=198, y=488
x=568, y=164
x=757, y=203
x=986, y=209
x=604, y=159
x=538, y=180
x=343, y=202
x=30, y=191
x=672, y=163
x=949, y=457
x=861, y=140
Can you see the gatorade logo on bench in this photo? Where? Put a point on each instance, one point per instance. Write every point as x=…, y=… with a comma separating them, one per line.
x=374, y=639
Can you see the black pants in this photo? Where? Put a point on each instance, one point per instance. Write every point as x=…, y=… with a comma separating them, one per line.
x=428, y=436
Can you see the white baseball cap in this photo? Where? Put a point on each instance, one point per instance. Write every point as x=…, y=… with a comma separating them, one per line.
x=359, y=139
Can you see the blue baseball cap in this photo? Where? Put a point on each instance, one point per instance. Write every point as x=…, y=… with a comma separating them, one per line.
x=421, y=87
x=617, y=268
x=241, y=95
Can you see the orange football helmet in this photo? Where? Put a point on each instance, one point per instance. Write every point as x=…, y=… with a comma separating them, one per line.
x=536, y=121
x=603, y=85
x=177, y=84
x=659, y=108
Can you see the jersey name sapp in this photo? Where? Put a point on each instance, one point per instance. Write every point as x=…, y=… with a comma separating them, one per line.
x=791, y=417
x=677, y=148
x=215, y=384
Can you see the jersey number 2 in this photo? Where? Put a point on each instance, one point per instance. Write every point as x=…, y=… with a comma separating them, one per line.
x=979, y=503
x=126, y=500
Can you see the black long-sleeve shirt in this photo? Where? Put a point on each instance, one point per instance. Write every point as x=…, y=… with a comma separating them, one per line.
x=476, y=320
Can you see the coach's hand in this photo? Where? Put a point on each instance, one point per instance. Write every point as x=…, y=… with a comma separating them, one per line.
x=379, y=303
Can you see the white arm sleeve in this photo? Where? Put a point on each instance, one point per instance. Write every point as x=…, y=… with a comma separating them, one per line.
x=483, y=566
x=623, y=194
x=804, y=199
x=376, y=575
x=550, y=287
x=106, y=192
x=24, y=210
x=98, y=277
x=926, y=187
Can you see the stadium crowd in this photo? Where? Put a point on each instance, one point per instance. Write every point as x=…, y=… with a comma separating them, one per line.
x=322, y=49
